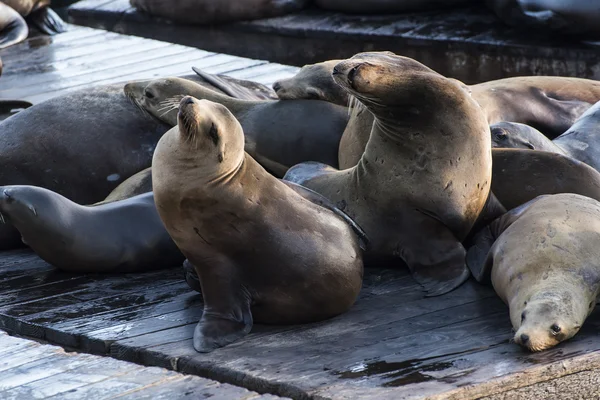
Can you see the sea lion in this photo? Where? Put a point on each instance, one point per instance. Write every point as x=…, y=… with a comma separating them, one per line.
x=237, y=88
x=512, y=135
x=387, y=6
x=264, y=251
x=212, y=12
x=39, y=14
x=582, y=140
x=135, y=185
x=574, y=17
x=520, y=175
x=313, y=82
x=425, y=174
x=13, y=28
x=80, y=145
x=123, y=236
x=279, y=134
x=546, y=103
x=542, y=259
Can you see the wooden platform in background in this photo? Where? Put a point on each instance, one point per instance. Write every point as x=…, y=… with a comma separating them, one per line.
x=470, y=44
x=31, y=370
x=393, y=344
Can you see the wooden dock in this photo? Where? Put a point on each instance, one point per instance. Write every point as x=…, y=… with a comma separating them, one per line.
x=470, y=44
x=394, y=343
x=31, y=370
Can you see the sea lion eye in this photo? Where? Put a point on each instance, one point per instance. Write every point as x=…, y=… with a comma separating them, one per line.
x=555, y=329
x=148, y=94
x=352, y=74
x=523, y=316
x=500, y=135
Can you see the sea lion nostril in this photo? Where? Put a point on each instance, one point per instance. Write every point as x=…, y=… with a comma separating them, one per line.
x=189, y=100
x=277, y=86
x=336, y=70
x=524, y=338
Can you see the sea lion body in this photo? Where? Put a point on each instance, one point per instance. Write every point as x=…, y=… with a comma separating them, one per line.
x=425, y=174
x=124, y=236
x=278, y=134
x=236, y=88
x=262, y=251
x=542, y=259
x=512, y=135
x=582, y=140
x=214, y=12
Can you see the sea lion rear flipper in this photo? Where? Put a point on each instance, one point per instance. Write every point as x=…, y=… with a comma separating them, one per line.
x=321, y=200
x=229, y=88
x=435, y=257
x=478, y=255
x=227, y=316
x=46, y=21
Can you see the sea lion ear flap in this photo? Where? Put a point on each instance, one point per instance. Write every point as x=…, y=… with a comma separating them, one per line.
x=314, y=94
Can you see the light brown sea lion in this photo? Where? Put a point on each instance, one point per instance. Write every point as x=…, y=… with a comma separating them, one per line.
x=264, y=251
x=512, y=135
x=135, y=185
x=39, y=14
x=542, y=259
x=123, y=236
x=582, y=140
x=279, y=134
x=425, y=174
x=214, y=12
x=546, y=103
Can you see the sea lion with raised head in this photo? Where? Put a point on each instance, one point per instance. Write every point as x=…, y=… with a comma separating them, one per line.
x=122, y=236
x=278, y=134
x=513, y=135
x=542, y=259
x=264, y=251
x=214, y=12
x=425, y=174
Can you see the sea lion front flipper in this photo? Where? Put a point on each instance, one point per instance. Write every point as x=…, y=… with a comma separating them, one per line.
x=227, y=316
x=230, y=88
x=46, y=21
x=306, y=171
x=321, y=200
x=435, y=257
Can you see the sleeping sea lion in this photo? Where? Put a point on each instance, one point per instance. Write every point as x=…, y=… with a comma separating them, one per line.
x=264, y=251
x=279, y=134
x=542, y=259
x=512, y=135
x=123, y=236
x=582, y=140
x=425, y=174
x=215, y=12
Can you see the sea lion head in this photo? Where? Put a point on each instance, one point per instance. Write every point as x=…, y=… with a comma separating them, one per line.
x=208, y=133
x=20, y=203
x=549, y=318
x=160, y=97
x=510, y=135
x=312, y=82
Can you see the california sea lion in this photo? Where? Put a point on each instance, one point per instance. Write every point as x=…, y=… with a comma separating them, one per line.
x=542, y=259
x=123, y=236
x=582, y=140
x=13, y=28
x=425, y=174
x=549, y=104
x=39, y=14
x=579, y=17
x=134, y=185
x=214, y=12
x=512, y=135
x=262, y=251
x=279, y=134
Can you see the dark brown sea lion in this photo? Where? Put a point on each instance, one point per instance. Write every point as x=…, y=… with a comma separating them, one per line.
x=542, y=259
x=578, y=17
x=512, y=135
x=264, y=251
x=387, y=6
x=279, y=134
x=214, y=12
x=39, y=14
x=123, y=236
x=582, y=140
x=13, y=28
x=425, y=174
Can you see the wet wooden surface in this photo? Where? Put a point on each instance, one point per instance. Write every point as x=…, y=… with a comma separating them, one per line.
x=470, y=44
x=394, y=343
x=31, y=370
